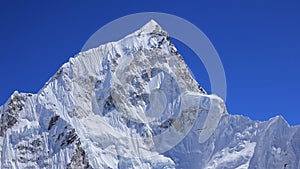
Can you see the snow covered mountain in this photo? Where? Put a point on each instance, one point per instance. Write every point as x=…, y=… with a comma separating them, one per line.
x=134, y=104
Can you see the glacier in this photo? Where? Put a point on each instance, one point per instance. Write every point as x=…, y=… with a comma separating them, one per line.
x=134, y=104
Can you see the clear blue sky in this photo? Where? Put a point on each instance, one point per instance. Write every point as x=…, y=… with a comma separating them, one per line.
x=258, y=42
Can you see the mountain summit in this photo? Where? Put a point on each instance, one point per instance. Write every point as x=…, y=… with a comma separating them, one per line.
x=134, y=104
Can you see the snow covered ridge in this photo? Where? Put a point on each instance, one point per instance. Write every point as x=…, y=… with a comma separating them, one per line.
x=134, y=104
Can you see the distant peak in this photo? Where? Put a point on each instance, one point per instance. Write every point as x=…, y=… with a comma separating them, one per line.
x=278, y=119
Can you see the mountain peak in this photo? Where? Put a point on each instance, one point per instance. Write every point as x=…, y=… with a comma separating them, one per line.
x=151, y=26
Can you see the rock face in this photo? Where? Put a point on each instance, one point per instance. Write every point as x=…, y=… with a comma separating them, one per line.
x=134, y=104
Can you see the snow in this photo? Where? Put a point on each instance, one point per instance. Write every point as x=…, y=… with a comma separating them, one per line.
x=231, y=158
x=134, y=104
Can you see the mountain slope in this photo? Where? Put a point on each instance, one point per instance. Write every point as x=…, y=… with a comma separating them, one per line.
x=239, y=142
x=134, y=104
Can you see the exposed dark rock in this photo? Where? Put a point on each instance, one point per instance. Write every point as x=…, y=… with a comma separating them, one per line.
x=167, y=123
x=36, y=143
x=69, y=138
x=30, y=152
x=10, y=117
x=79, y=158
x=109, y=105
x=145, y=75
x=53, y=121
x=118, y=55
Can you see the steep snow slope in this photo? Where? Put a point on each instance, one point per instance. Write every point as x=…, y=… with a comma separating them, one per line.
x=134, y=104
